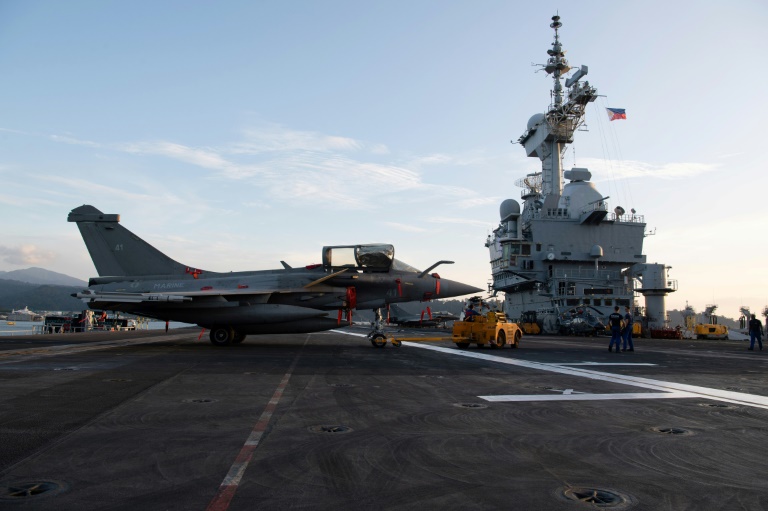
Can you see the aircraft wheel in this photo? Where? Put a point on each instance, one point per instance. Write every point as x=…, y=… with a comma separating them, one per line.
x=379, y=340
x=501, y=340
x=396, y=343
x=238, y=338
x=462, y=345
x=222, y=336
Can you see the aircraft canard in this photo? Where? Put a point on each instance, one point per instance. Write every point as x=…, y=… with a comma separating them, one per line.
x=136, y=278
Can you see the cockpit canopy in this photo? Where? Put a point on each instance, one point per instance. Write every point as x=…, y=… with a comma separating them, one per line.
x=367, y=258
x=375, y=257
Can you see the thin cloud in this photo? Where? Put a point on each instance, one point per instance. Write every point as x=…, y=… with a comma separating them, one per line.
x=205, y=158
x=477, y=202
x=73, y=141
x=632, y=169
x=457, y=221
x=276, y=138
x=26, y=254
x=287, y=165
x=405, y=227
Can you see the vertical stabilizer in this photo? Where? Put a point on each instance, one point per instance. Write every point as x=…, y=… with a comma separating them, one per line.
x=115, y=250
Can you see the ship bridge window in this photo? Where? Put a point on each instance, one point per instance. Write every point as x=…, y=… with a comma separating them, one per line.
x=557, y=212
x=566, y=288
x=608, y=301
x=597, y=301
x=598, y=291
x=538, y=247
x=517, y=249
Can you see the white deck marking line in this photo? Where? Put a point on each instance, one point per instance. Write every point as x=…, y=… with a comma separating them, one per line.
x=588, y=397
x=347, y=333
x=605, y=364
x=663, y=386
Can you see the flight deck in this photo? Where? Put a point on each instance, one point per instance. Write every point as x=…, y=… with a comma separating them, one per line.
x=166, y=421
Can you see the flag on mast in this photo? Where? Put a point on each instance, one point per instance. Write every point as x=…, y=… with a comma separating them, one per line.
x=616, y=113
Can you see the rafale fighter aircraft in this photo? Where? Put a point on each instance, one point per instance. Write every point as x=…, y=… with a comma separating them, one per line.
x=136, y=278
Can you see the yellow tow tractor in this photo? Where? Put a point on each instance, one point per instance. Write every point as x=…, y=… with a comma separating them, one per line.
x=529, y=324
x=492, y=328
x=706, y=330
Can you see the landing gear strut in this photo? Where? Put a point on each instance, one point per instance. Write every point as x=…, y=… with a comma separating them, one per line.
x=377, y=336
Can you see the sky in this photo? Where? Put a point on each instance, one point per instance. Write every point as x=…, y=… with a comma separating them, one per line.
x=232, y=135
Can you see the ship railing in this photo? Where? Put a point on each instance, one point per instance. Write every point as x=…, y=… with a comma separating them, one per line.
x=586, y=274
x=562, y=214
x=629, y=218
x=595, y=206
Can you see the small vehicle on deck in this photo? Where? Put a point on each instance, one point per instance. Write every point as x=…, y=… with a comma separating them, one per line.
x=492, y=328
x=529, y=323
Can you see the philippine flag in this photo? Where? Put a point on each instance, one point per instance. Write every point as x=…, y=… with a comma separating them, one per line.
x=616, y=113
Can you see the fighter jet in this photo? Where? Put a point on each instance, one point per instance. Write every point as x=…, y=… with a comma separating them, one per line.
x=399, y=316
x=136, y=278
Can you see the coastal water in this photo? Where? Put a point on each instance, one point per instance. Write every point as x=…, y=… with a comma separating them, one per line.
x=35, y=327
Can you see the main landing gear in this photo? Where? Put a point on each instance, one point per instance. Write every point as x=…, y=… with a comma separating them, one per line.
x=226, y=336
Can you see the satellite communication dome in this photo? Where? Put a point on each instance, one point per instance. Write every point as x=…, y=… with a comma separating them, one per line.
x=580, y=195
x=535, y=120
x=508, y=208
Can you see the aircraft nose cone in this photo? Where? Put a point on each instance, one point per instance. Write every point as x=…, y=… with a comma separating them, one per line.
x=451, y=288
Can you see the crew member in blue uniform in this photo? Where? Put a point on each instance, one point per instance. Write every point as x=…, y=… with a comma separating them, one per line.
x=470, y=313
x=627, y=332
x=755, y=332
x=615, y=321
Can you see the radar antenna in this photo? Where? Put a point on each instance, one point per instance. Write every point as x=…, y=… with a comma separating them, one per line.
x=548, y=134
x=532, y=182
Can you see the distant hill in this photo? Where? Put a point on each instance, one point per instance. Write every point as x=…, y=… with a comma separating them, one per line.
x=41, y=276
x=17, y=295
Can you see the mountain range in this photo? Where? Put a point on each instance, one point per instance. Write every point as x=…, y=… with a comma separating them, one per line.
x=41, y=276
x=40, y=290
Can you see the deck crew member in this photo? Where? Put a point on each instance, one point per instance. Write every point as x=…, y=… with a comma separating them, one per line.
x=470, y=313
x=755, y=332
x=627, y=332
x=614, y=320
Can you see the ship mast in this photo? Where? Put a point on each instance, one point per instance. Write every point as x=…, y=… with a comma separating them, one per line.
x=548, y=134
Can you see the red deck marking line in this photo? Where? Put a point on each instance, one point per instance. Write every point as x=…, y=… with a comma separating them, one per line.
x=228, y=486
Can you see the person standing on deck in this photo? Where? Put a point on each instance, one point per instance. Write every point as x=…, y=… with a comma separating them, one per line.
x=627, y=332
x=615, y=321
x=755, y=332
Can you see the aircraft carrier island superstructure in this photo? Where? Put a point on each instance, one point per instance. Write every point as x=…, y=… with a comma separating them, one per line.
x=566, y=251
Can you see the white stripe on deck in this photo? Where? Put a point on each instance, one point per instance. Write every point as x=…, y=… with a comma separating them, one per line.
x=727, y=396
x=588, y=397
